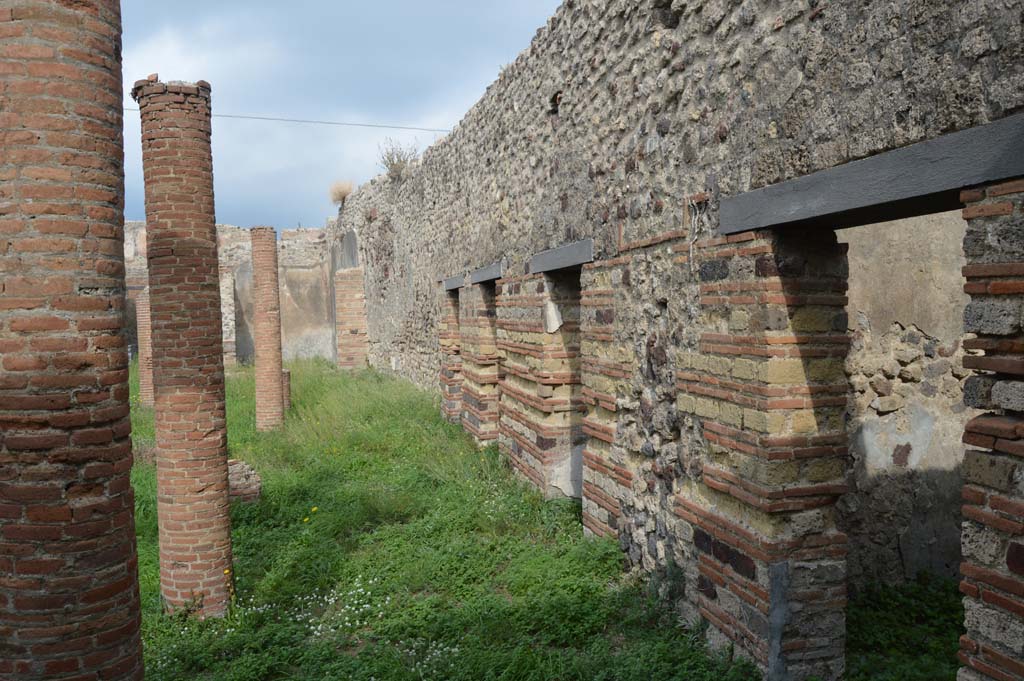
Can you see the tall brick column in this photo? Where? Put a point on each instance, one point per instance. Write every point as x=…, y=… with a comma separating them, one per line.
x=350, y=314
x=993, y=511
x=69, y=599
x=267, y=329
x=143, y=321
x=188, y=358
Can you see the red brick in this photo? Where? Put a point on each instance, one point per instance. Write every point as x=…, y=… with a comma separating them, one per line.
x=985, y=210
x=61, y=139
x=267, y=329
x=186, y=347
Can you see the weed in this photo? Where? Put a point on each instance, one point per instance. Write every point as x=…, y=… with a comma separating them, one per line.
x=387, y=547
x=905, y=633
x=396, y=159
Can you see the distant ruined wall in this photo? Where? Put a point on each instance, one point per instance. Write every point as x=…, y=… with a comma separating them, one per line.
x=305, y=272
x=718, y=397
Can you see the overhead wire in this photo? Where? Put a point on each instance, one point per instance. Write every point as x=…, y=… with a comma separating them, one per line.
x=274, y=119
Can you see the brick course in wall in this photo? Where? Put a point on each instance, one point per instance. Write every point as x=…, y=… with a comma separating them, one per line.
x=350, y=302
x=188, y=357
x=69, y=598
x=993, y=523
x=267, y=329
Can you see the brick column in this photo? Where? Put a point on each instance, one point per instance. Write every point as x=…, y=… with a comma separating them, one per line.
x=765, y=563
x=142, y=323
x=267, y=329
x=350, y=312
x=69, y=599
x=188, y=358
x=993, y=511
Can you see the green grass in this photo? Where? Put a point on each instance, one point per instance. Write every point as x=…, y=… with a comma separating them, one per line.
x=424, y=559
x=905, y=633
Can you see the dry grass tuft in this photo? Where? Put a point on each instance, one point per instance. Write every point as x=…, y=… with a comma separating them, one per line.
x=340, y=191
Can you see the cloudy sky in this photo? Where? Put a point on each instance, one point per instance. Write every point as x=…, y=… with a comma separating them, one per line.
x=401, y=62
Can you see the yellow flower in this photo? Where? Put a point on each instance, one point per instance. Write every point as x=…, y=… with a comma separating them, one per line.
x=227, y=571
x=315, y=509
x=305, y=520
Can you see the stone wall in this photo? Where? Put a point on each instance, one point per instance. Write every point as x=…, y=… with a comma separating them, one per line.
x=906, y=414
x=714, y=373
x=307, y=294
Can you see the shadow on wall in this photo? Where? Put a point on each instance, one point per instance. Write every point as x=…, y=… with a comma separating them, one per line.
x=307, y=327
x=245, y=349
x=906, y=414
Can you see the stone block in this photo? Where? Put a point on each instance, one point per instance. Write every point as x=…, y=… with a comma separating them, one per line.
x=1009, y=395
x=990, y=470
x=993, y=316
x=978, y=392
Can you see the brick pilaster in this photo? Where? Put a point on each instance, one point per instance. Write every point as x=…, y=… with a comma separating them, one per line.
x=286, y=390
x=227, y=308
x=350, y=313
x=768, y=389
x=67, y=541
x=267, y=329
x=605, y=372
x=541, y=423
x=993, y=511
x=481, y=363
x=188, y=357
x=143, y=320
x=451, y=359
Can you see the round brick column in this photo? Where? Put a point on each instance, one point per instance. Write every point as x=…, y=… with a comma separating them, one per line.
x=69, y=599
x=142, y=323
x=267, y=329
x=188, y=358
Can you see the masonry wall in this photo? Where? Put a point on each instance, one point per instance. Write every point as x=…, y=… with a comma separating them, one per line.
x=907, y=413
x=305, y=276
x=714, y=371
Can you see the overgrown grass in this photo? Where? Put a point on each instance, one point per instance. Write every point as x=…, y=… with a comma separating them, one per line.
x=905, y=633
x=386, y=547
x=425, y=559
